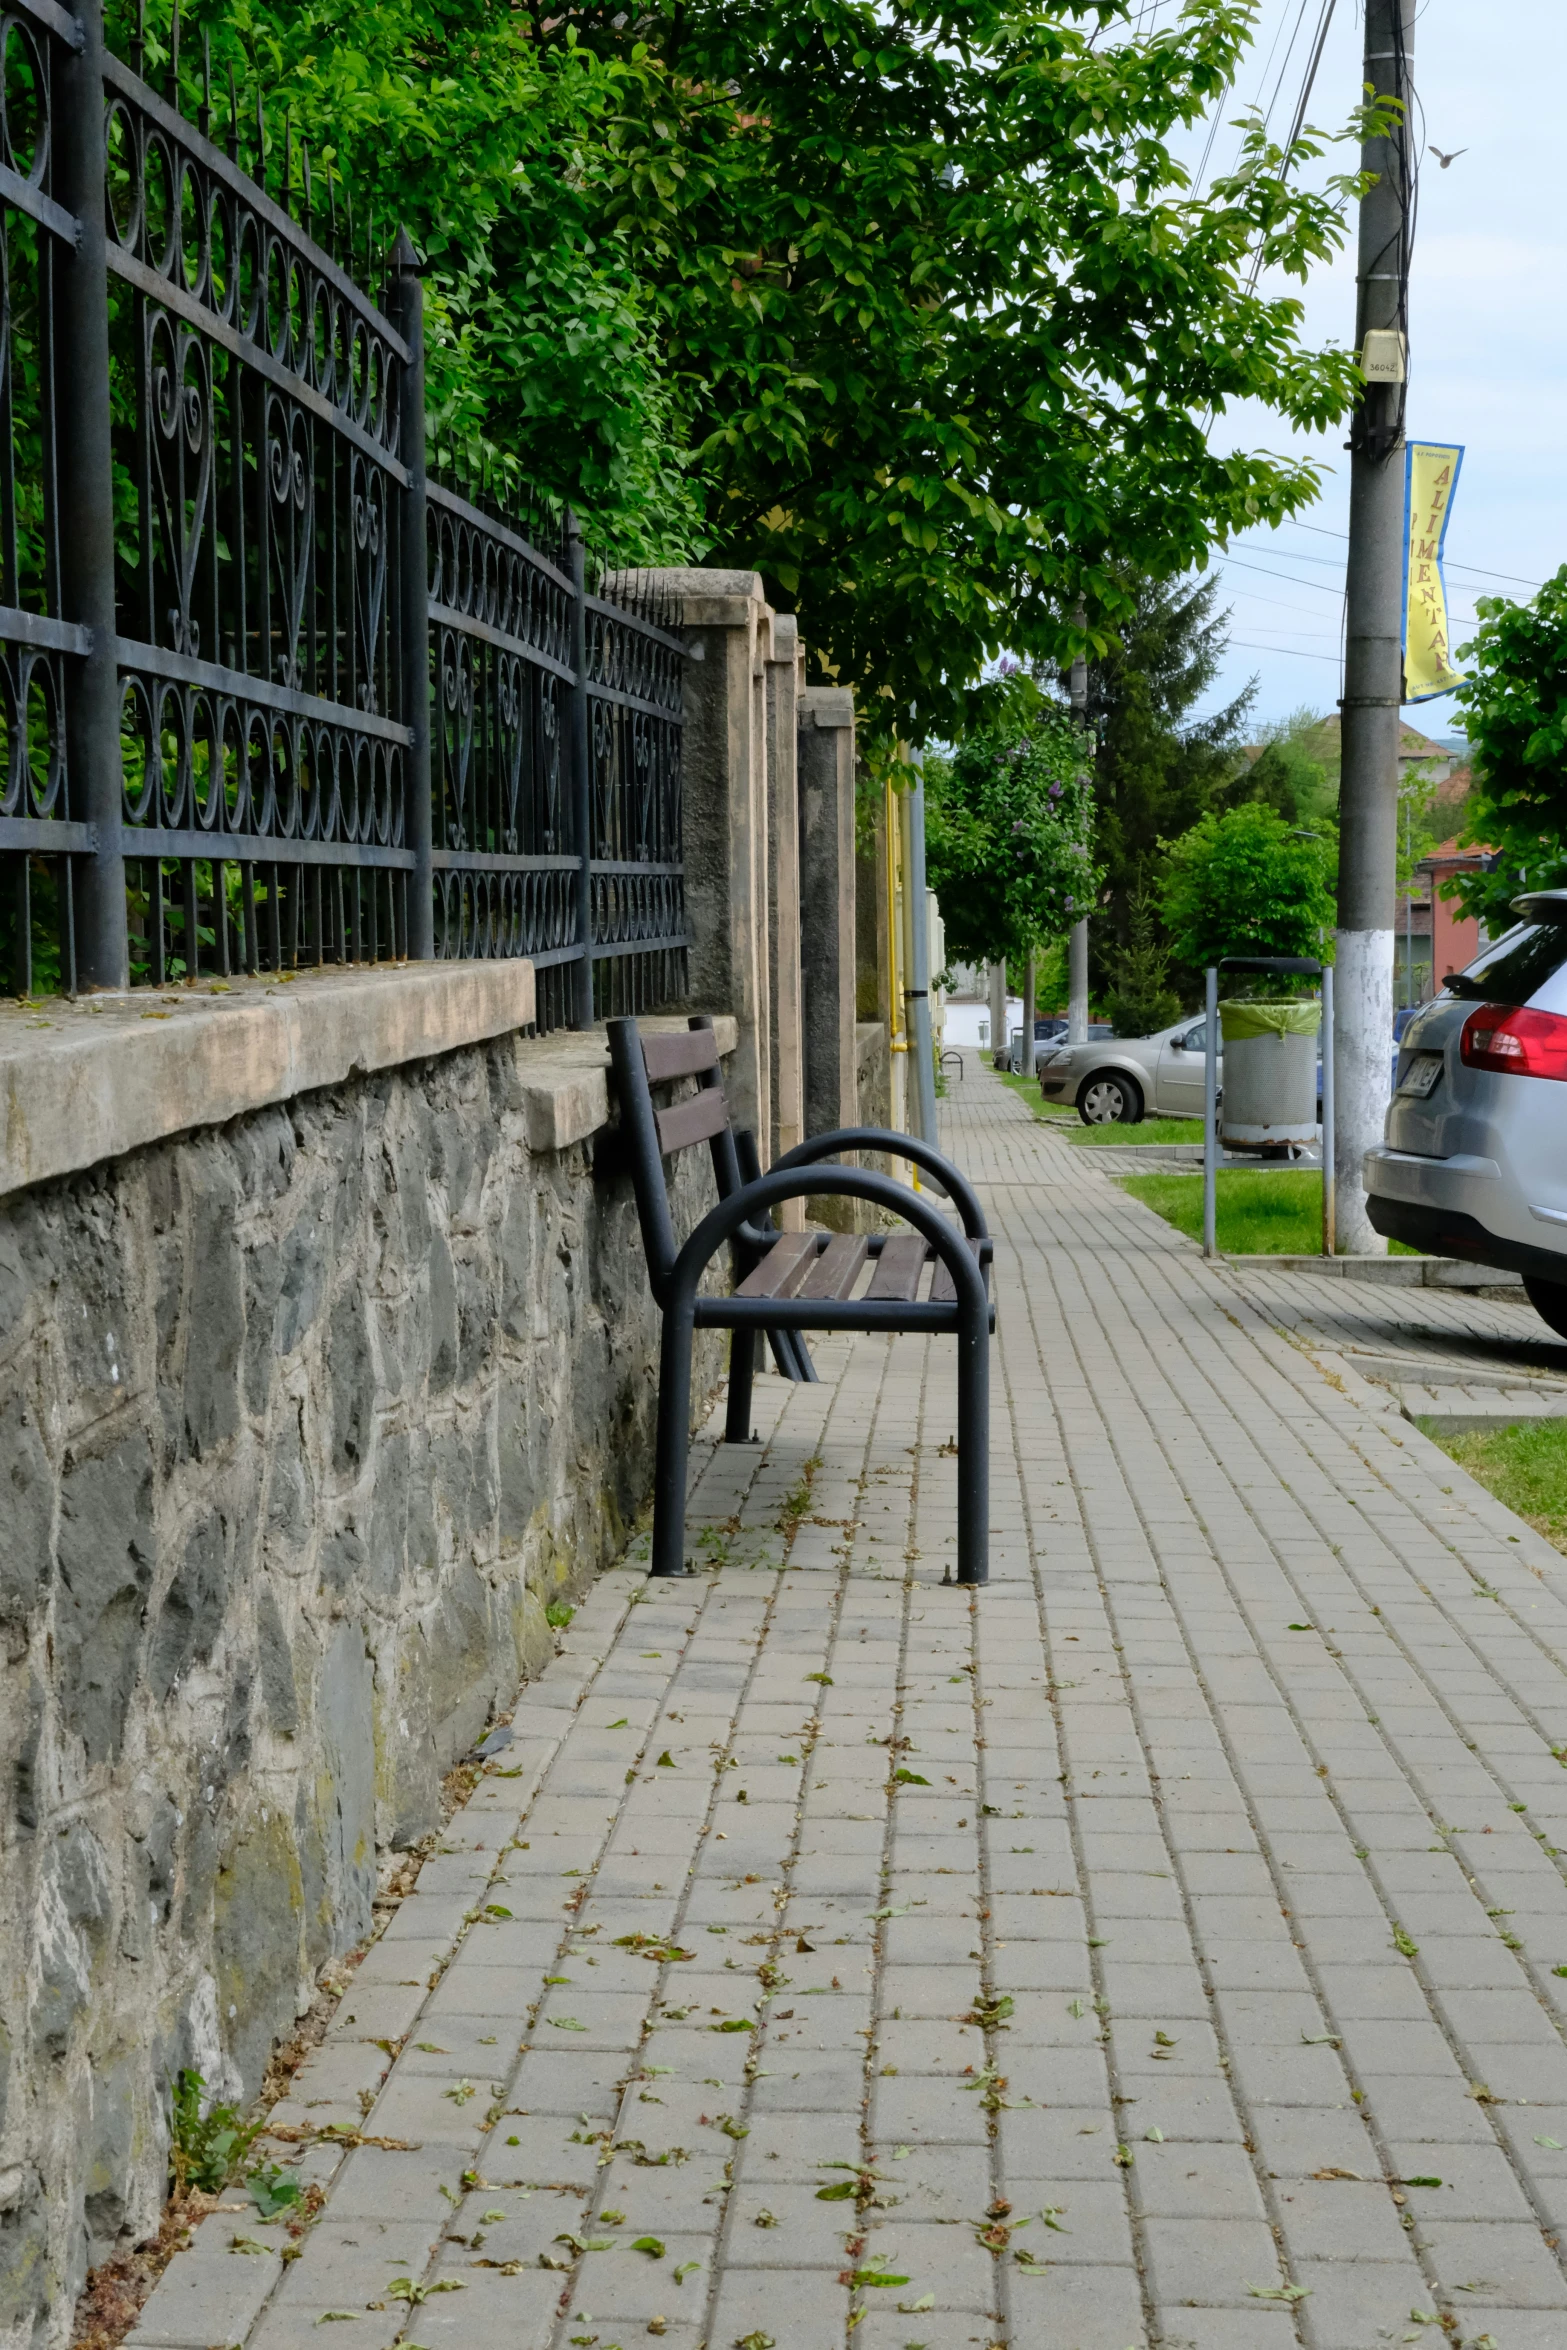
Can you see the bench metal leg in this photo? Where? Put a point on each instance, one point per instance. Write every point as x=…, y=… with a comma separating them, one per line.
x=974, y=1453
x=742, y=1368
x=674, y=1444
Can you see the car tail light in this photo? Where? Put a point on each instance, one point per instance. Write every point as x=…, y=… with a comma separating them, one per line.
x=1515, y=1042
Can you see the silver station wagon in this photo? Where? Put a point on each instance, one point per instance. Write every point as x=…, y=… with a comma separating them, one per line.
x=1124, y=1079
x=1474, y=1163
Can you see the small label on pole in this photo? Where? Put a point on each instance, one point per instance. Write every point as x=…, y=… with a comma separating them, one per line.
x=1382, y=356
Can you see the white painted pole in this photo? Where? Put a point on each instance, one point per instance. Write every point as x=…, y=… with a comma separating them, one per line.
x=1210, y=1119
x=918, y=991
x=1329, y=1182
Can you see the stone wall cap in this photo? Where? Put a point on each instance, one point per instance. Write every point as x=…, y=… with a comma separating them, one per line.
x=565, y=1078
x=692, y=580
x=827, y=706
x=88, y=1079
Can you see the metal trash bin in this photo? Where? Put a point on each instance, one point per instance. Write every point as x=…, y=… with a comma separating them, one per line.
x=1270, y=1075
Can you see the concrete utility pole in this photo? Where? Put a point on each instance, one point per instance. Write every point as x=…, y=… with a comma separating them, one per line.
x=996, y=973
x=1373, y=657
x=917, y=993
x=1077, y=943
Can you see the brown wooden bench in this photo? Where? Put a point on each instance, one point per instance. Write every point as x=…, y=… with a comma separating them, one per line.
x=786, y=1283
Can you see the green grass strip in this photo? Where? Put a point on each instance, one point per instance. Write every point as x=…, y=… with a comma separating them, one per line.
x=1523, y=1464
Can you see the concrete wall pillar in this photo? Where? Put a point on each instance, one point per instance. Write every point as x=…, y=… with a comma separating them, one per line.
x=781, y=666
x=828, y=907
x=728, y=626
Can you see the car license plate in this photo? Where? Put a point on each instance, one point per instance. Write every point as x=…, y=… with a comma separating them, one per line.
x=1421, y=1075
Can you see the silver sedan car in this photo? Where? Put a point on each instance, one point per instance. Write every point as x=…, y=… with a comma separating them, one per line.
x=1474, y=1163
x=1121, y=1079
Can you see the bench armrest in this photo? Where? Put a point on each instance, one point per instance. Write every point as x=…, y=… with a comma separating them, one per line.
x=896, y=1146
x=721, y=1224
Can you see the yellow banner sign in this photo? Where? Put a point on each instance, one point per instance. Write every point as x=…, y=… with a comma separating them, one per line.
x=1430, y=478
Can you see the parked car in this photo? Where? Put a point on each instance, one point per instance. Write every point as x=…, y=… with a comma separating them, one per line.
x=1474, y=1160
x=1050, y=1029
x=1122, y=1079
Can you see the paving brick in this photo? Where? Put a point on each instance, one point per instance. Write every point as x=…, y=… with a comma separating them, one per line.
x=210, y=2292
x=1353, y=2304
x=748, y=2302
x=1214, y=2261
x=1176, y=2182
x=1502, y=2261
x=349, y=2263
x=1338, y=2219
x=1186, y=2328
x=298, y=2328
x=377, y=2184
x=1079, y=2309
x=929, y=2183
x=519, y=2311
x=928, y=2112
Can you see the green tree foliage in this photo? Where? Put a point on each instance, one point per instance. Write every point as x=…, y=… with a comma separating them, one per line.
x=1245, y=883
x=1292, y=774
x=915, y=311
x=1008, y=824
x=1157, y=769
x=976, y=319
x=506, y=156
x=1514, y=710
x=1141, y=998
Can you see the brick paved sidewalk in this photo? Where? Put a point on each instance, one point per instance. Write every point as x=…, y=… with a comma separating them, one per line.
x=1158, y=1951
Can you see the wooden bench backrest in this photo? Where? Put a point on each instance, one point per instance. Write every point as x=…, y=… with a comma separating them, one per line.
x=654, y=1135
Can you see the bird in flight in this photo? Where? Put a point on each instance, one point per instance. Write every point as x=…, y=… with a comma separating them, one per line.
x=1445, y=160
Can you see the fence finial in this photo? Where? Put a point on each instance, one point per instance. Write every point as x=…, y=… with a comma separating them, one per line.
x=174, y=58
x=204, y=123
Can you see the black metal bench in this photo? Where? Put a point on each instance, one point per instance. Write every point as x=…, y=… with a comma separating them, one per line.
x=790, y=1282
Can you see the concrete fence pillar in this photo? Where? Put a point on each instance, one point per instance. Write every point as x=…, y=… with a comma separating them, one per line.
x=828, y=907
x=770, y=853
x=782, y=669
x=728, y=624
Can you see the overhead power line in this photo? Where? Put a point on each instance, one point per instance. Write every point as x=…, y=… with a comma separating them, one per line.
x=1292, y=578
x=1449, y=564
x=1297, y=120
x=1291, y=653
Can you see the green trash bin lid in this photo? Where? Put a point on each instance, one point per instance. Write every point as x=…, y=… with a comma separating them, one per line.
x=1246, y=1019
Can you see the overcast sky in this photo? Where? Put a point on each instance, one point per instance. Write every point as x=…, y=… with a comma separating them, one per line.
x=1488, y=331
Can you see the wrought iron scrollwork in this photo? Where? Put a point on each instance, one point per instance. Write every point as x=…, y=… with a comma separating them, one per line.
x=276, y=650
x=508, y=857
x=39, y=842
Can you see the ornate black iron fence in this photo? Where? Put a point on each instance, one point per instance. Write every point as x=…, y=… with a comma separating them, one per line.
x=269, y=694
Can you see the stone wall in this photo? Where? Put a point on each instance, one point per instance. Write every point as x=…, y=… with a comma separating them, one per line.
x=303, y=1421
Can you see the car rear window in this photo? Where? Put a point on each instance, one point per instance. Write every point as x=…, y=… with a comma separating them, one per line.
x=1516, y=967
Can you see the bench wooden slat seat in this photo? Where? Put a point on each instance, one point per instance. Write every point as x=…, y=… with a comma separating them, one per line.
x=942, y=1287
x=837, y=1269
x=899, y=1266
x=789, y=1282
x=783, y=1269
